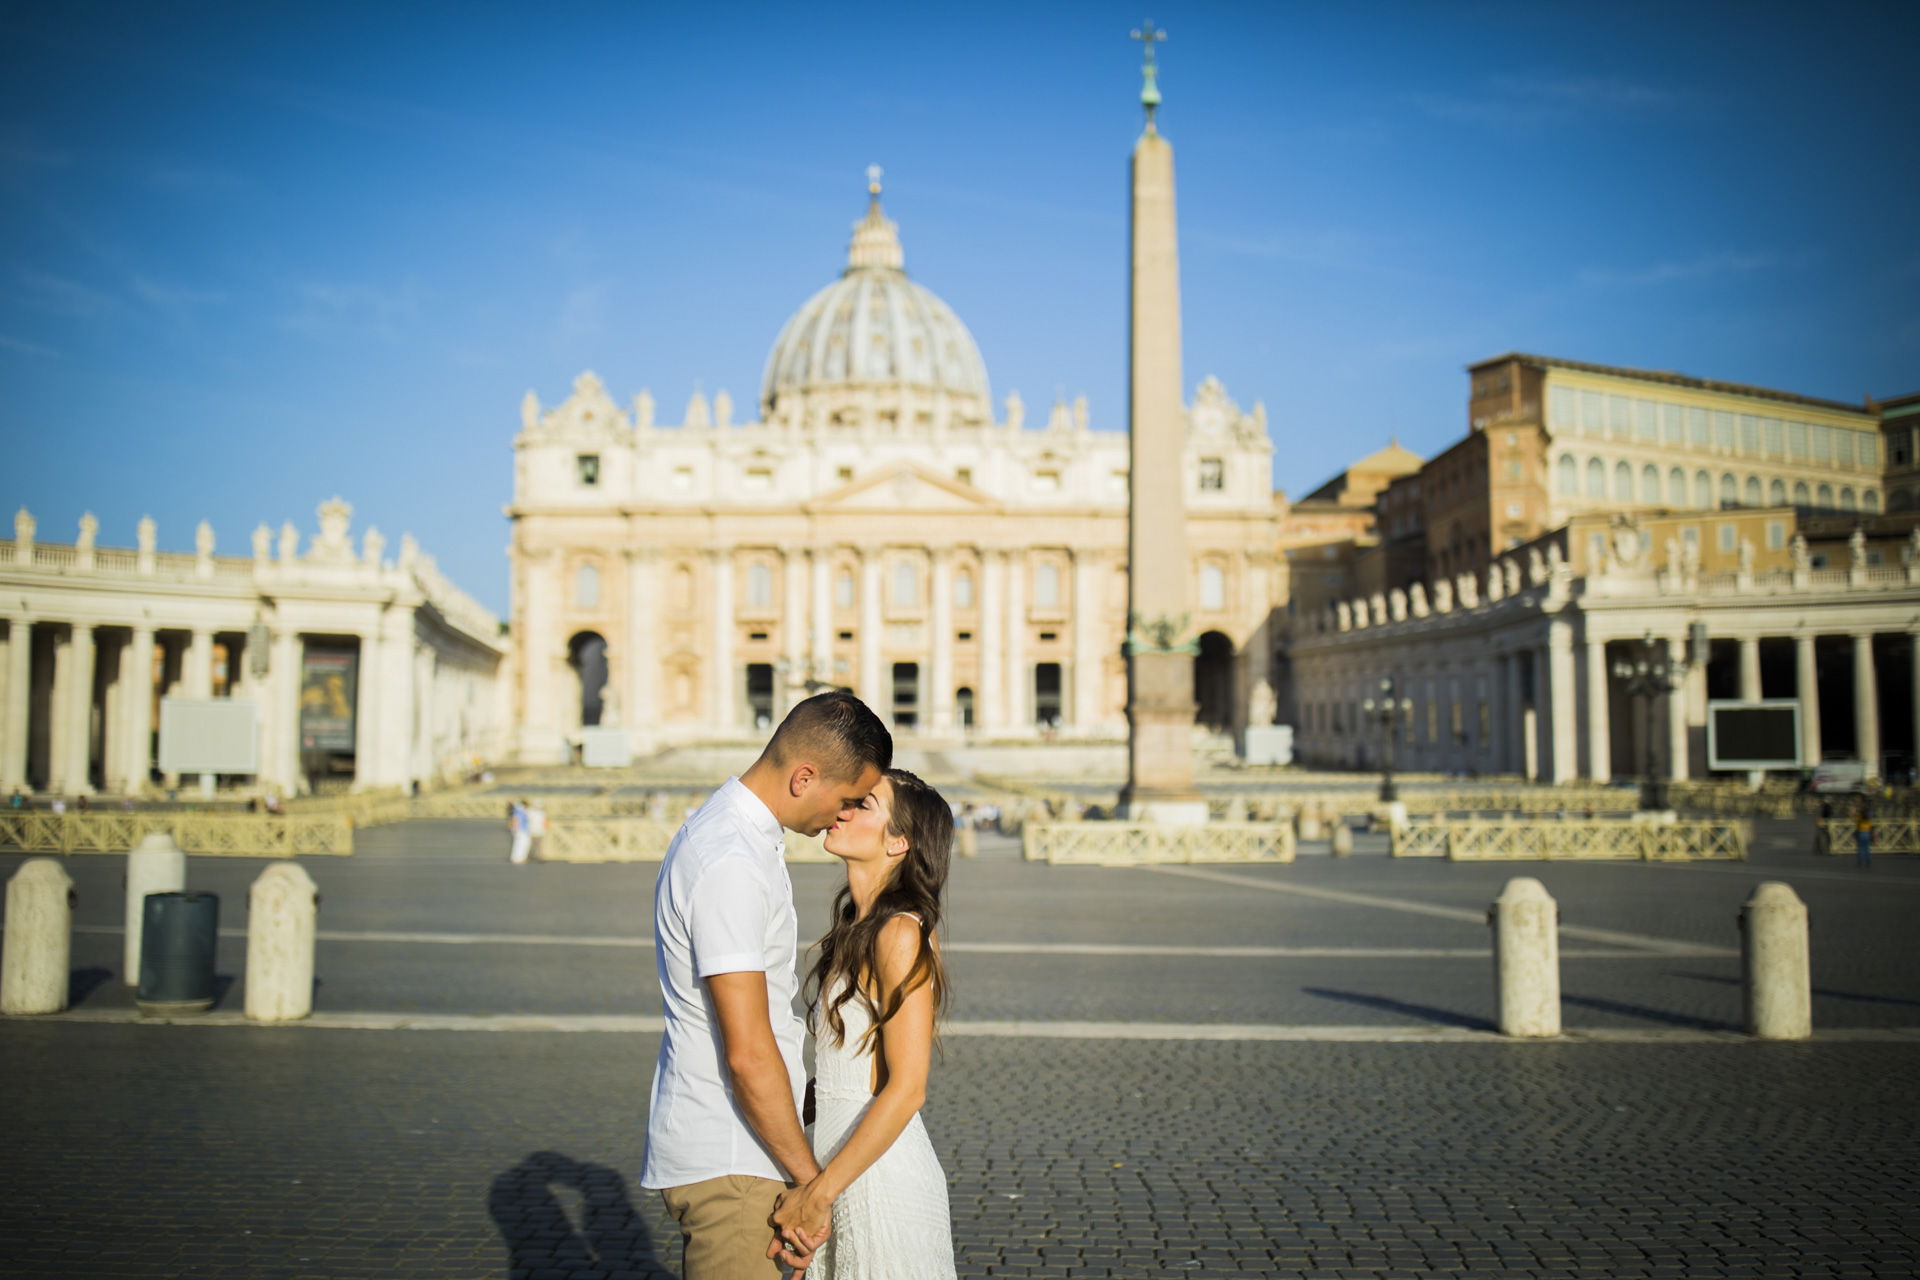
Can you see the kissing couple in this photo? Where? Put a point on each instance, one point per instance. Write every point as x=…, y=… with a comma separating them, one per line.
x=727, y=1148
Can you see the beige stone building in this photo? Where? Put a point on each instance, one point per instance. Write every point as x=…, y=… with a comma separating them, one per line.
x=870, y=524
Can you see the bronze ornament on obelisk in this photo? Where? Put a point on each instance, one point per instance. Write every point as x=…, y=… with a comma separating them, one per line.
x=1160, y=706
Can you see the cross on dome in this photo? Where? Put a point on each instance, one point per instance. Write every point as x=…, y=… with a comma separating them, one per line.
x=873, y=180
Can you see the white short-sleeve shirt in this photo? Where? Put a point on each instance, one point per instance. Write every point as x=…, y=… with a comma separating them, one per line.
x=723, y=904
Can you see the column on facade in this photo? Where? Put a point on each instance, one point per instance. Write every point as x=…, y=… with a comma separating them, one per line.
x=1913, y=664
x=990, y=700
x=793, y=630
x=723, y=711
x=1750, y=668
x=113, y=708
x=1088, y=669
x=197, y=669
x=281, y=749
x=642, y=712
x=79, y=742
x=539, y=710
x=1520, y=758
x=1560, y=700
x=19, y=704
x=59, y=703
x=1866, y=704
x=1806, y=687
x=940, y=618
x=399, y=699
x=1599, y=717
x=1019, y=681
x=426, y=745
x=822, y=646
x=1672, y=717
x=872, y=690
x=136, y=737
x=366, y=711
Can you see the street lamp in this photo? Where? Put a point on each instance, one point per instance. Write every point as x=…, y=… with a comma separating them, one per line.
x=1646, y=672
x=1390, y=713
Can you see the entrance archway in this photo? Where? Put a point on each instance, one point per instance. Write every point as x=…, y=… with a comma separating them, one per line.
x=587, y=655
x=1213, y=682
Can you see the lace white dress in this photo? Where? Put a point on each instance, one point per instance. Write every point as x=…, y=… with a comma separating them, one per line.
x=892, y=1223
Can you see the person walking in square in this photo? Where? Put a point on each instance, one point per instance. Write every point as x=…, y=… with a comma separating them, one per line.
x=1863, y=836
x=724, y=1133
x=520, y=832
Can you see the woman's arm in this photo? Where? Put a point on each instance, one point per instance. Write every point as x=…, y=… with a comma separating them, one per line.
x=906, y=1040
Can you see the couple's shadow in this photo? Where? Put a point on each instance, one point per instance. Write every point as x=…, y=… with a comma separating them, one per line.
x=541, y=1237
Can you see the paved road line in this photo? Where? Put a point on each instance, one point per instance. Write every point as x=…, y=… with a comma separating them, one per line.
x=1862, y=878
x=635, y=1024
x=1638, y=941
x=978, y=948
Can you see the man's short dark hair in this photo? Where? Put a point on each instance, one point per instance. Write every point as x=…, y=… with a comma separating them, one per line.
x=836, y=732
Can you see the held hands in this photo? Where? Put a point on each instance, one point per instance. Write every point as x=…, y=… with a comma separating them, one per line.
x=802, y=1220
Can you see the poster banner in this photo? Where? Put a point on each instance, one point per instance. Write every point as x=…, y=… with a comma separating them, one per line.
x=328, y=691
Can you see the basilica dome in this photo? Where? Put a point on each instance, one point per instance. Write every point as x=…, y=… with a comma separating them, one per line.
x=875, y=345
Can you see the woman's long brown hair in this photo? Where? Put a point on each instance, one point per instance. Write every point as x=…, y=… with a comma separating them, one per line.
x=850, y=951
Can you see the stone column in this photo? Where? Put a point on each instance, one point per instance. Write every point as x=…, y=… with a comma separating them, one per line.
x=137, y=738
x=59, y=709
x=426, y=739
x=1599, y=714
x=723, y=704
x=1084, y=714
x=19, y=704
x=1019, y=680
x=366, y=711
x=76, y=768
x=793, y=629
x=990, y=709
x=1160, y=691
x=1866, y=705
x=1560, y=700
x=1750, y=668
x=873, y=690
x=1806, y=687
x=196, y=673
x=940, y=617
x=1519, y=756
x=282, y=747
x=821, y=653
x=641, y=714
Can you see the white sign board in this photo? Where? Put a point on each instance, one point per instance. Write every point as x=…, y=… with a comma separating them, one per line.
x=1753, y=735
x=605, y=748
x=209, y=735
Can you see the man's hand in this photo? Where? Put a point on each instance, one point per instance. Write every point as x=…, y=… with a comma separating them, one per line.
x=797, y=1255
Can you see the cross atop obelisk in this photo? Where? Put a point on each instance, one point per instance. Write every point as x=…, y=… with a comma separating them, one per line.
x=1149, y=36
x=1159, y=649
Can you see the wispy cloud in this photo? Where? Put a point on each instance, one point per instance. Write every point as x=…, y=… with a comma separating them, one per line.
x=1534, y=101
x=174, y=298
x=336, y=309
x=1701, y=267
x=25, y=348
x=62, y=296
x=583, y=314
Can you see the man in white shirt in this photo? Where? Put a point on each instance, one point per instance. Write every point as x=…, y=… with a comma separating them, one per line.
x=724, y=1136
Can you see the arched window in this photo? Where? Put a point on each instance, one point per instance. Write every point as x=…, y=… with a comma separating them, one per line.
x=759, y=585
x=1596, y=478
x=1702, y=490
x=1777, y=493
x=1729, y=490
x=1213, y=588
x=586, y=587
x=1823, y=497
x=1623, y=481
x=1046, y=585
x=1566, y=475
x=1801, y=496
x=1649, y=483
x=1752, y=491
x=843, y=589
x=1676, y=488
x=1870, y=501
x=906, y=584
x=963, y=590
x=1847, y=500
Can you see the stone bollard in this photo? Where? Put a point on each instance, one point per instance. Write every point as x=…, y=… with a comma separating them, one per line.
x=969, y=841
x=155, y=865
x=1526, y=958
x=1306, y=822
x=39, y=947
x=1773, y=951
x=1342, y=838
x=281, y=908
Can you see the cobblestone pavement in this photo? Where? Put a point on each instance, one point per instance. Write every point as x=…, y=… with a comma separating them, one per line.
x=292, y=1153
x=146, y=1150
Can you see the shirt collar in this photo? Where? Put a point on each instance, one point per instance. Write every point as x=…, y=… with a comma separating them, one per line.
x=755, y=811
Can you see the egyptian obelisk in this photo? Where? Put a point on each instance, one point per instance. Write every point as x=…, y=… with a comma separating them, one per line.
x=1160, y=704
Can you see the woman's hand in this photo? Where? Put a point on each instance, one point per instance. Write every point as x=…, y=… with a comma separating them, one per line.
x=802, y=1220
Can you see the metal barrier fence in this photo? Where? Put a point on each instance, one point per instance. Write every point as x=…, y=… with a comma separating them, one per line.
x=1132, y=843
x=1890, y=835
x=235, y=835
x=1573, y=840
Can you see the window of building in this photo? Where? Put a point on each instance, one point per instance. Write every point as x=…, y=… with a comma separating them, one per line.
x=1213, y=588
x=963, y=474
x=1117, y=483
x=1596, y=547
x=1749, y=433
x=963, y=636
x=1843, y=448
x=846, y=635
x=1677, y=488
x=1750, y=492
x=1691, y=535
x=1673, y=423
x=1796, y=439
x=843, y=590
x=1560, y=408
x=1870, y=501
x=1566, y=475
x=1048, y=637
x=1213, y=474
x=1822, y=442
x=756, y=635
x=1867, y=450
x=586, y=587
x=1703, y=491
x=1046, y=481
x=1777, y=492
x=1776, y=534
x=1046, y=585
x=1801, y=496
x=1646, y=419
x=1513, y=511
x=1729, y=536
x=1724, y=430
x=906, y=585
x=1847, y=500
x=1593, y=412
x=1623, y=481
x=586, y=469
x=1697, y=428
x=963, y=590
x=759, y=585
x=1596, y=478
x=843, y=475
x=1823, y=497
x=1649, y=483
x=1513, y=468
x=683, y=477
x=1729, y=490
x=1619, y=415
x=757, y=479
x=1771, y=438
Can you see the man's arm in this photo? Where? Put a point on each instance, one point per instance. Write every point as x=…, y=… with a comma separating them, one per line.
x=760, y=1082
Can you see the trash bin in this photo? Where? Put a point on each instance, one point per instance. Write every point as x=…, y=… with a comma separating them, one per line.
x=177, y=936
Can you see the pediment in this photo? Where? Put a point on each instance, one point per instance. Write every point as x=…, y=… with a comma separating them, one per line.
x=906, y=487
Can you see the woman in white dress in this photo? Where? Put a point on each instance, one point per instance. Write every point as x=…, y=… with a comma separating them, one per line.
x=873, y=997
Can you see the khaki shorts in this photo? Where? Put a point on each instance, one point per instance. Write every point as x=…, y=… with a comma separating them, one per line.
x=723, y=1226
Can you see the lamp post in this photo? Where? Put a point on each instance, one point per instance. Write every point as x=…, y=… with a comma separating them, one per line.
x=1645, y=672
x=1390, y=712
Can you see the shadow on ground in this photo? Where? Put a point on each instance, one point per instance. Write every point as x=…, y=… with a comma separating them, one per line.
x=609, y=1240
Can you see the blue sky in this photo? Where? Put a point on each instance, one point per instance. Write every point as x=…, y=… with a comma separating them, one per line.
x=254, y=255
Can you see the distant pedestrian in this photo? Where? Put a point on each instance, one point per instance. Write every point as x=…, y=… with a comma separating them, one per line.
x=59, y=804
x=18, y=801
x=517, y=829
x=1863, y=837
x=536, y=826
x=83, y=804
